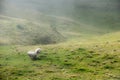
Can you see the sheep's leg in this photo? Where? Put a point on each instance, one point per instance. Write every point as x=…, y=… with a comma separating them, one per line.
x=34, y=57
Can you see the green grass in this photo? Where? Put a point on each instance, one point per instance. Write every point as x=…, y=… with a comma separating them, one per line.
x=63, y=61
x=22, y=31
x=86, y=55
x=86, y=42
x=53, y=29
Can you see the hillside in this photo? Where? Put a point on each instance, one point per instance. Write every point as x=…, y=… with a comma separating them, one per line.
x=98, y=13
x=20, y=31
x=91, y=59
x=79, y=39
x=46, y=22
x=50, y=29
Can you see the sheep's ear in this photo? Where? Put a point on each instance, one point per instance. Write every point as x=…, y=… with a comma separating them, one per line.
x=37, y=50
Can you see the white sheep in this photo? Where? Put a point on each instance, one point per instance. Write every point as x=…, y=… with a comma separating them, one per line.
x=33, y=54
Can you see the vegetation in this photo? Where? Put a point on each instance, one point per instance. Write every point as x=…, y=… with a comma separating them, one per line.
x=20, y=31
x=64, y=61
x=79, y=39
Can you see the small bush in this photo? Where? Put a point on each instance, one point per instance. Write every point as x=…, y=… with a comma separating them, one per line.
x=81, y=49
x=82, y=70
x=67, y=64
x=108, y=67
x=20, y=27
x=2, y=77
x=91, y=52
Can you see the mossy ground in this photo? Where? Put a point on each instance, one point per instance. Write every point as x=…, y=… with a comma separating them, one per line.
x=65, y=61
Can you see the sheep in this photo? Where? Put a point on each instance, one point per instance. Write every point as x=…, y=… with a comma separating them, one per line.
x=33, y=54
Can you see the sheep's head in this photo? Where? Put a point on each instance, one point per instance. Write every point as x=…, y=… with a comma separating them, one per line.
x=38, y=50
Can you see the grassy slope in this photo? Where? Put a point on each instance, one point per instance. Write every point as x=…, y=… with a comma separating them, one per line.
x=87, y=60
x=53, y=28
x=21, y=31
x=81, y=58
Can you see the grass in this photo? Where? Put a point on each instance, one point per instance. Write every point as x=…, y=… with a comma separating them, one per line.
x=93, y=61
x=86, y=55
x=82, y=57
x=52, y=30
x=18, y=31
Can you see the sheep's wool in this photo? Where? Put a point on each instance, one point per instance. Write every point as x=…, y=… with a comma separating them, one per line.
x=33, y=54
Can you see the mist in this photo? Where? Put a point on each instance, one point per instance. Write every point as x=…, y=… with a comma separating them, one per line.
x=59, y=39
x=1, y=5
x=63, y=18
x=67, y=8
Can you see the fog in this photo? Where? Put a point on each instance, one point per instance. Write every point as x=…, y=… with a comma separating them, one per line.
x=55, y=7
x=56, y=20
x=89, y=11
